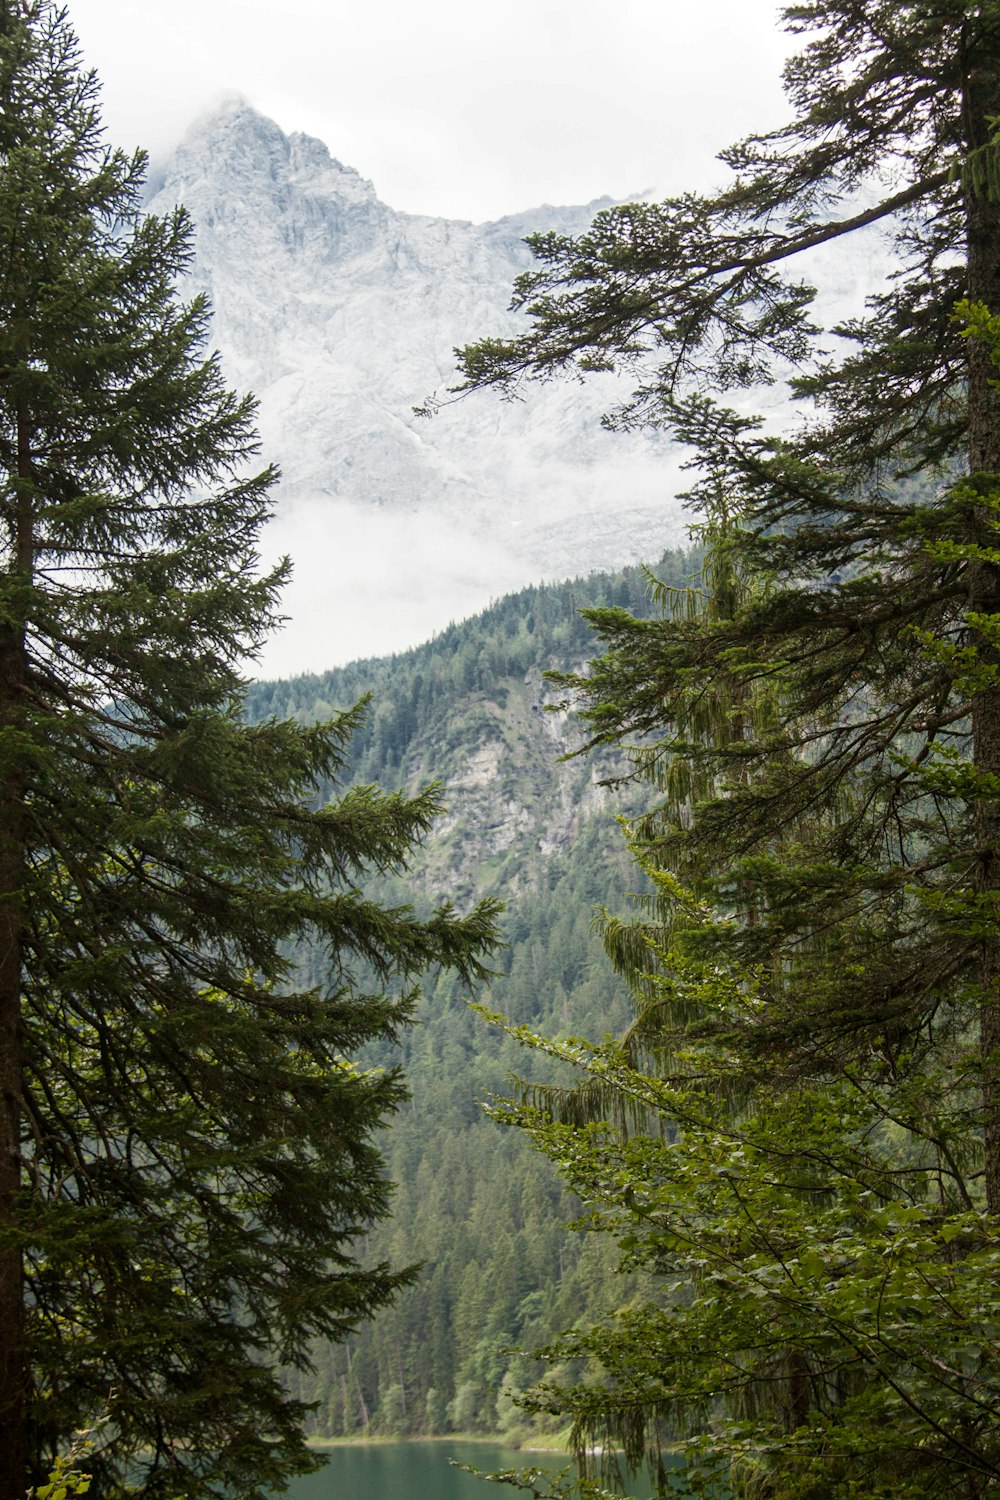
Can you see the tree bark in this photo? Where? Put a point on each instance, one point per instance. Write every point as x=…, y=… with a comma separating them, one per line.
x=14, y=1455
x=982, y=108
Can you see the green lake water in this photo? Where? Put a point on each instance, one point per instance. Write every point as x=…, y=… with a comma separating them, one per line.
x=416, y=1471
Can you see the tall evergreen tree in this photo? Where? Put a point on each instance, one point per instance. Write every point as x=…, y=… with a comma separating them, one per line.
x=187, y=1163
x=825, y=737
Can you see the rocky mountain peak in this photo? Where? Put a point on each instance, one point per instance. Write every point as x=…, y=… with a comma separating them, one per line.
x=232, y=143
x=342, y=315
x=240, y=175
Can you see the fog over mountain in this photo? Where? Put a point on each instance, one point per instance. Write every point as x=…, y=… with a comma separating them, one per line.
x=341, y=315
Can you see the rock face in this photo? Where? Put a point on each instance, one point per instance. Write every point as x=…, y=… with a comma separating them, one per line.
x=473, y=711
x=341, y=315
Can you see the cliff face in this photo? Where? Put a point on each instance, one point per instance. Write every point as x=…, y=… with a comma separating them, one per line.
x=341, y=315
x=473, y=711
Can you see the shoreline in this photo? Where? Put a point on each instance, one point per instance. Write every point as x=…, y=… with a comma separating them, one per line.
x=487, y=1439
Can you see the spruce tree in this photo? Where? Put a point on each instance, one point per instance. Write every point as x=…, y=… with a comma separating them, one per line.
x=187, y=1164
x=823, y=730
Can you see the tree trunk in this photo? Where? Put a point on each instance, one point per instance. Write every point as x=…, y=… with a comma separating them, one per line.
x=13, y=1447
x=14, y=1456
x=982, y=108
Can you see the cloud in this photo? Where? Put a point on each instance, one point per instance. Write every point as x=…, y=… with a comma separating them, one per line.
x=466, y=111
x=368, y=582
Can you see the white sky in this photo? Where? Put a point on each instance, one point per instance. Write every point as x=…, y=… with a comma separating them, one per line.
x=462, y=108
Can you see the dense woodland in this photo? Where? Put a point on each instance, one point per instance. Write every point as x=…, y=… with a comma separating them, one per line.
x=232, y=919
x=486, y=1217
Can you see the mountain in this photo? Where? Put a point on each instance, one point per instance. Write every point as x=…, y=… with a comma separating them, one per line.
x=484, y=1214
x=341, y=315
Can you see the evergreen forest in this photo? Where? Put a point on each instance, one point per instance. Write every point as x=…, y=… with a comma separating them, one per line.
x=501, y=1274
x=714, y=849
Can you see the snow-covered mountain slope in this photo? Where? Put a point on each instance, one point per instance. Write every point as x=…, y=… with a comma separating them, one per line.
x=342, y=315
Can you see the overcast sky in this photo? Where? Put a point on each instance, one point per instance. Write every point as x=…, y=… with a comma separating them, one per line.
x=464, y=108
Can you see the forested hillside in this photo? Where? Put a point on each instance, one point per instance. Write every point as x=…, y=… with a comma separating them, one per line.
x=484, y=1214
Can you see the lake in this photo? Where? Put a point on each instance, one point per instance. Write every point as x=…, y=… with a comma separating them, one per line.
x=416, y=1471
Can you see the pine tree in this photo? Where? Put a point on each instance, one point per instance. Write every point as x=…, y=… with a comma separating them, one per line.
x=824, y=734
x=187, y=1165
